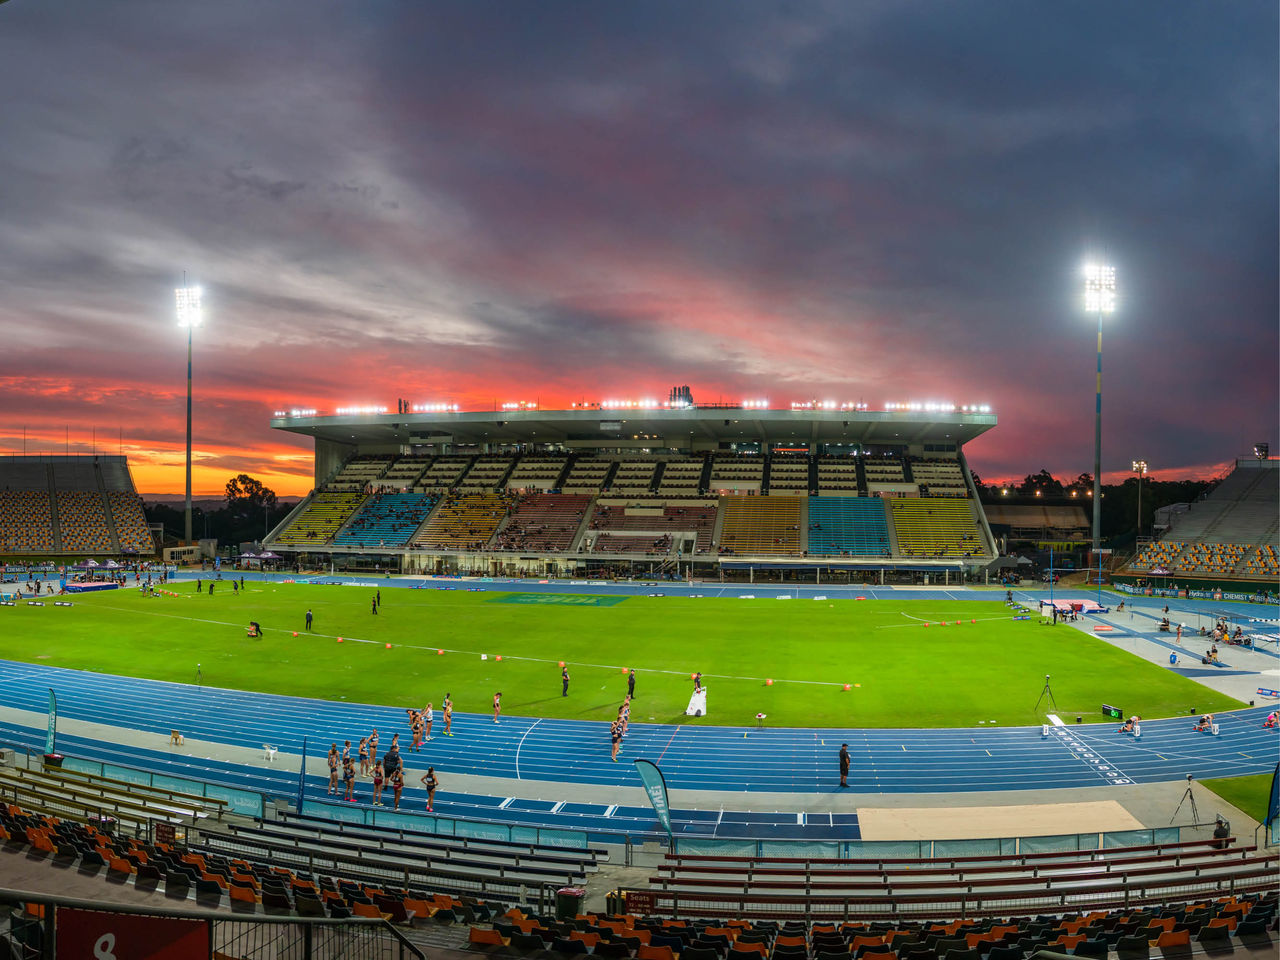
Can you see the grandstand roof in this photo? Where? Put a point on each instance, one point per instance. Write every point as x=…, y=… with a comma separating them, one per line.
x=666, y=427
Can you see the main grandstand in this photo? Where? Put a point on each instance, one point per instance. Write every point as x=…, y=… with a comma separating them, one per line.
x=815, y=487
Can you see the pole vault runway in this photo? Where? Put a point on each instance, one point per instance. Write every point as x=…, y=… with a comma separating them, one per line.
x=692, y=757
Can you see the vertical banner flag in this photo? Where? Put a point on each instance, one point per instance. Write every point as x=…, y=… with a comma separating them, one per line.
x=655, y=785
x=1273, y=805
x=51, y=735
x=302, y=776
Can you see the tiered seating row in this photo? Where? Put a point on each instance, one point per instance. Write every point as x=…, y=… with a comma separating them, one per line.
x=443, y=474
x=1212, y=558
x=838, y=477
x=1096, y=879
x=651, y=527
x=82, y=521
x=587, y=475
x=789, y=475
x=939, y=478
x=761, y=526
x=537, y=473
x=321, y=518
x=936, y=528
x=852, y=526
x=387, y=520
x=485, y=475
x=1160, y=554
x=544, y=522
x=360, y=471
x=131, y=522
x=26, y=522
x=464, y=522
x=734, y=474
x=1263, y=562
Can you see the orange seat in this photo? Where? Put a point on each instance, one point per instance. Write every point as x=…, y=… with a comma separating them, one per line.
x=1228, y=922
x=865, y=941
x=648, y=951
x=1160, y=925
x=482, y=937
x=752, y=948
x=369, y=910
x=790, y=941
x=1067, y=941
x=1174, y=938
x=587, y=937
x=243, y=893
x=1071, y=927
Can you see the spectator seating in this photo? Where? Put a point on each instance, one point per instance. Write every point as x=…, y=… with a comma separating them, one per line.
x=838, y=477
x=321, y=518
x=930, y=528
x=653, y=527
x=1262, y=562
x=82, y=522
x=634, y=477
x=246, y=885
x=853, y=526
x=537, y=473
x=902, y=888
x=587, y=475
x=761, y=526
x=443, y=474
x=130, y=522
x=681, y=477
x=486, y=475
x=883, y=470
x=26, y=522
x=543, y=522
x=789, y=475
x=497, y=869
x=359, y=472
x=387, y=520
x=1211, y=558
x=1240, y=509
x=939, y=478
x=404, y=473
x=463, y=522
x=1158, y=555
x=733, y=474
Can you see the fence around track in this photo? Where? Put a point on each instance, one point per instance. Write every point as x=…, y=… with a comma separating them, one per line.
x=924, y=849
x=246, y=803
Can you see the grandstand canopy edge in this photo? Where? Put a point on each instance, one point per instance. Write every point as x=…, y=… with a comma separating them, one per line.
x=692, y=430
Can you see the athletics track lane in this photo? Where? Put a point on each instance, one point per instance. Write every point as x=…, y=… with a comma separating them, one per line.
x=692, y=757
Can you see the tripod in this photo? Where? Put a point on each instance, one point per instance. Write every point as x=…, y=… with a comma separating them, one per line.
x=1046, y=692
x=199, y=676
x=1187, y=795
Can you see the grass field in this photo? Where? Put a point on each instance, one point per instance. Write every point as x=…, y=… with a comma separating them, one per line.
x=1249, y=794
x=901, y=672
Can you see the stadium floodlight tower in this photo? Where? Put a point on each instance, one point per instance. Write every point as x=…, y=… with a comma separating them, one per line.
x=1140, y=468
x=190, y=313
x=1100, y=299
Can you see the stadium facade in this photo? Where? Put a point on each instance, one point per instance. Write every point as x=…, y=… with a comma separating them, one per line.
x=643, y=486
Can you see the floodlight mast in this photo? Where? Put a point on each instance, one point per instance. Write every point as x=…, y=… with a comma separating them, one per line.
x=1099, y=299
x=1140, y=468
x=190, y=314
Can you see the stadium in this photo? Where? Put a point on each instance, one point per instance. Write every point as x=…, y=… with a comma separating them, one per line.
x=991, y=806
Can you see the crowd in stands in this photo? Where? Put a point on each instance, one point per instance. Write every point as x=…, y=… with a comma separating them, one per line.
x=82, y=519
x=545, y=522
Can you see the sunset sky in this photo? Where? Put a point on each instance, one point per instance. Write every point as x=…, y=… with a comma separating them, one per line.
x=473, y=202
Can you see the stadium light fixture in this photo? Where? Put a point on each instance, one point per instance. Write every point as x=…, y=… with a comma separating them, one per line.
x=189, y=309
x=1099, y=299
x=1140, y=468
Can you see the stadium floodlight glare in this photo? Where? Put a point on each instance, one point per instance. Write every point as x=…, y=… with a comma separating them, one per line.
x=188, y=302
x=1099, y=288
x=1099, y=299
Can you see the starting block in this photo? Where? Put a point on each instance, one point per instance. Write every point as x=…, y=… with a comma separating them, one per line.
x=63, y=603
x=35, y=603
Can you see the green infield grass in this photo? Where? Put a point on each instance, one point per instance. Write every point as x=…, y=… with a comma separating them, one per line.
x=1249, y=794
x=988, y=667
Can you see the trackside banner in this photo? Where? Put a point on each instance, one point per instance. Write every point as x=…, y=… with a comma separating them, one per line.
x=51, y=734
x=655, y=785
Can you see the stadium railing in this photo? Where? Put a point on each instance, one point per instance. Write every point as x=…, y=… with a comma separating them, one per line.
x=243, y=802
x=34, y=928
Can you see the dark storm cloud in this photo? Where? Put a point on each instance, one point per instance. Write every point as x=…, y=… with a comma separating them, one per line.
x=879, y=201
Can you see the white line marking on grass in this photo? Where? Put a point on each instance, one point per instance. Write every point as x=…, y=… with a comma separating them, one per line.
x=521, y=744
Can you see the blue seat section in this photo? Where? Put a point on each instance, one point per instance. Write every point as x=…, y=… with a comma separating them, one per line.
x=387, y=520
x=847, y=525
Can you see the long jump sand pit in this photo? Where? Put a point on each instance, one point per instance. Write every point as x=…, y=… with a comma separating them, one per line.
x=977, y=823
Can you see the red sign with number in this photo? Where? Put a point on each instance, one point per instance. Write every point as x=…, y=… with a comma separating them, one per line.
x=100, y=935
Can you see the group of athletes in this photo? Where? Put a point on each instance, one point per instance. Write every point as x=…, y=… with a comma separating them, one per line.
x=387, y=773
